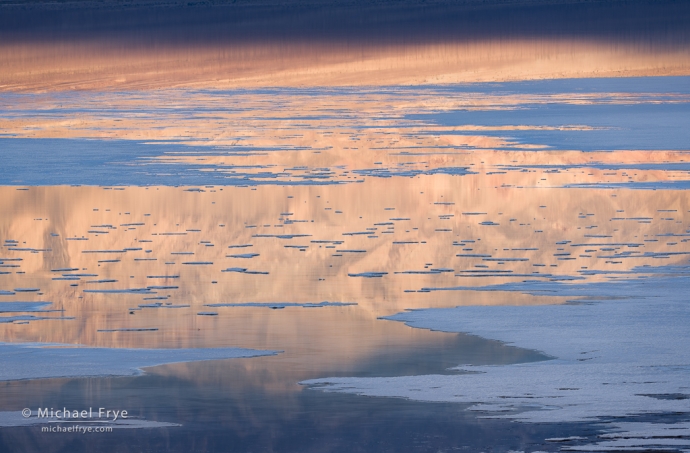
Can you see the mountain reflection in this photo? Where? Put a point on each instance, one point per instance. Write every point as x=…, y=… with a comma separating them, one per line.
x=98, y=253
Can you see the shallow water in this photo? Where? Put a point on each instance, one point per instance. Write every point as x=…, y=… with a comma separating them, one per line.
x=293, y=220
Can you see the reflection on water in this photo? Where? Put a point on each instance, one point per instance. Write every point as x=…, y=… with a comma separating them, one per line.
x=323, y=136
x=230, y=417
x=313, y=213
x=100, y=253
x=114, y=259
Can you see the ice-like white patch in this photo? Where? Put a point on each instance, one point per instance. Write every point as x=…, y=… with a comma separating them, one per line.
x=24, y=319
x=640, y=437
x=13, y=307
x=42, y=361
x=125, y=329
x=612, y=358
x=278, y=305
x=9, y=419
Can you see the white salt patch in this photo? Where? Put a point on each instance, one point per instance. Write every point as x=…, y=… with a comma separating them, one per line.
x=284, y=304
x=140, y=329
x=10, y=307
x=42, y=361
x=565, y=439
x=607, y=356
x=632, y=436
x=640, y=436
x=24, y=319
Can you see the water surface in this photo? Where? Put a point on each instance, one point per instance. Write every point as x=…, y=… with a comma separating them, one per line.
x=293, y=220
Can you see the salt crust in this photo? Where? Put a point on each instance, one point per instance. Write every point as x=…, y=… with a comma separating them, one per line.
x=615, y=351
